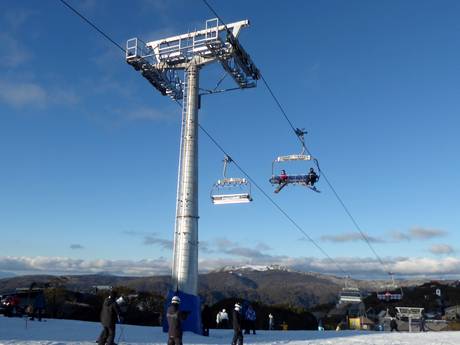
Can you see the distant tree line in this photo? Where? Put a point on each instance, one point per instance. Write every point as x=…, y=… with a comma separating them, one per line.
x=145, y=308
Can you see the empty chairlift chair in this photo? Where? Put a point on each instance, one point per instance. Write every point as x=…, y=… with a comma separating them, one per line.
x=230, y=190
x=350, y=295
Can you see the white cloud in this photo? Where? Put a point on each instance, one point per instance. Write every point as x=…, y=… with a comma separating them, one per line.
x=263, y=246
x=13, y=53
x=149, y=114
x=17, y=17
x=64, y=265
x=88, y=5
x=62, y=96
x=151, y=238
x=425, y=234
x=164, y=243
x=399, y=236
x=76, y=246
x=441, y=249
x=357, y=267
x=350, y=237
x=417, y=233
x=427, y=266
x=22, y=94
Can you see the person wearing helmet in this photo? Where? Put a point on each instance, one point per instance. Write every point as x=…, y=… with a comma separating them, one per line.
x=312, y=177
x=283, y=181
x=109, y=317
x=224, y=319
x=283, y=176
x=237, y=326
x=175, y=318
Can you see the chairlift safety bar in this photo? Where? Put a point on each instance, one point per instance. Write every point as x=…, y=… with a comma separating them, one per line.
x=293, y=158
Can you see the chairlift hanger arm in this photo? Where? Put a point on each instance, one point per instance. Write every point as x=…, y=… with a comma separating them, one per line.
x=226, y=161
x=207, y=92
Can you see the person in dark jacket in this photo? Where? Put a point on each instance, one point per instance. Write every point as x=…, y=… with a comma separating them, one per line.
x=422, y=324
x=109, y=318
x=237, y=326
x=393, y=325
x=206, y=319
x=312, y=177
x=39, y=306
x=175, y=317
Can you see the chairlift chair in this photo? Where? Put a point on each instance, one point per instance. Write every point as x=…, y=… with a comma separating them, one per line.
x=230, y=190
x=390, y=292
x=350, y=294
x=295, y=179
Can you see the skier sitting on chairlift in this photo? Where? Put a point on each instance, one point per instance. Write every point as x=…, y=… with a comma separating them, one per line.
x=283, y=176
x=283, y=181
x=312, y=177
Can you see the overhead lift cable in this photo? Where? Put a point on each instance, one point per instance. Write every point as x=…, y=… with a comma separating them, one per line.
x=93, y=25
x=293, y=222
x=296, y=132
x=215, y=142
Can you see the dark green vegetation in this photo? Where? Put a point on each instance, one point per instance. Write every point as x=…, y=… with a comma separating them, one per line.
x=292, y=297
x=280, y=287
x=422, y=296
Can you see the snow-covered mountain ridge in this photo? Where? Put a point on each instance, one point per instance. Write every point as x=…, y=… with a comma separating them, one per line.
x=258, y=268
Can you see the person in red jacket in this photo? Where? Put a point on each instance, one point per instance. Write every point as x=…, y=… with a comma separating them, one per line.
x=283, y=181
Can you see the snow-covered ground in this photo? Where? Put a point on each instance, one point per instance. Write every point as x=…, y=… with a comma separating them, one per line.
x=13, y=331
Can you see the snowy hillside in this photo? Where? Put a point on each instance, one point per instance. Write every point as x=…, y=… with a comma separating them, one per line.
x=260, y=268
x=13, y=331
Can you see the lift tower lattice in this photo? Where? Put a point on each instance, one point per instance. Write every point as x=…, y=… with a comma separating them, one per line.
x=161, y=62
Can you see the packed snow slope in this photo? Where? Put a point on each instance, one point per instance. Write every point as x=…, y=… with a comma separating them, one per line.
x=13, y=331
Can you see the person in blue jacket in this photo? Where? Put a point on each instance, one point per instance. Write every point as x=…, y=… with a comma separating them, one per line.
x=250, y=318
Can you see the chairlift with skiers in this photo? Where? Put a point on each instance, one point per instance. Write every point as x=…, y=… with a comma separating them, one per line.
x=283, y=179
x=391, y=291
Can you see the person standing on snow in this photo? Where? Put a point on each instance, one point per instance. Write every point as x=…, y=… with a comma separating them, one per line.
x=218, y=321
x=271, y=322
x=206, y=319
x=109, y=317
x=39, y=306
x=250, y=317
x=175, y=317
x=237, y=326
x=320, y=325
x=393, y=325
x=224, y=319
x=422, y=324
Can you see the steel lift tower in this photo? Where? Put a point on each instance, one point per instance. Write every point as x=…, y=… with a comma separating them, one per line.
x=161, y=63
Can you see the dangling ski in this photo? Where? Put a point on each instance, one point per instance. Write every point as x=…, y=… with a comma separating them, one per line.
x=313, y=188
x=281, y=186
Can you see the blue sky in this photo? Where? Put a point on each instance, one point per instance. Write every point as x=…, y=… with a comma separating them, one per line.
x=89, y=149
